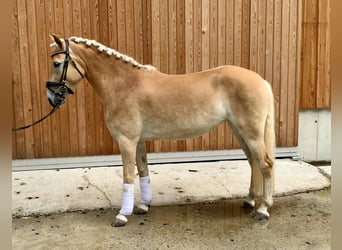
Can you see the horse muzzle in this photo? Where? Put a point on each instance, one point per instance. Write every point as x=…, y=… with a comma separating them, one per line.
x=57, y=92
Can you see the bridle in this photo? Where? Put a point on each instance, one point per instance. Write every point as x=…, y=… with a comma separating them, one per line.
x=62, y=82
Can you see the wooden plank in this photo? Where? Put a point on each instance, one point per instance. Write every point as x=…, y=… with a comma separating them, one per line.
x=323, y=55
x=261, y=38
x=172, y=42
x=18, y=138
x=112, y=24
x=181, y=37
x=147, y=34
x=237, y=32
x=189, y=37
x=253, y=56
x=276, y=64
x=230, y=32
x=25, y=84
x=245, y=36
x=292, y=105
x=284, y=72
x=269, y=41
x=309, y=58
x=34, y=78
x=129, y=20
x=138, y=30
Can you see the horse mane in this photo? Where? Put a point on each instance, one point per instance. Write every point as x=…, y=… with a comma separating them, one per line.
x=111, y=52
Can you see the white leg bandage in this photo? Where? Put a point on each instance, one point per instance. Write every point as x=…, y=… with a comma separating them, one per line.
x=145, y=190
x=127, y=202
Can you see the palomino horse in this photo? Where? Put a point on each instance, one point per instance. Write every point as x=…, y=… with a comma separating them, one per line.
x=140, y=103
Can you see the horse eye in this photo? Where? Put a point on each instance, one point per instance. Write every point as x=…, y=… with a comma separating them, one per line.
x=56, y=64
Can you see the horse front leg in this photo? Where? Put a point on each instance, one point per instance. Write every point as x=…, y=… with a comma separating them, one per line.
x=128, y=153
x=144, y=179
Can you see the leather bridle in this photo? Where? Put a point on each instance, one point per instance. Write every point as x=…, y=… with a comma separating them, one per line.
x=62, y=82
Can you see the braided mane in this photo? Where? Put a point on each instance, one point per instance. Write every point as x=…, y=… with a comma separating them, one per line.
x=111, y=52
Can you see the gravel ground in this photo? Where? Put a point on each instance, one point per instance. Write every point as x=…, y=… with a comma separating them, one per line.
x=301, y=221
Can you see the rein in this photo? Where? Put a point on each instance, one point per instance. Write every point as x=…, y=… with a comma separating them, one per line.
x=38, y=121
x=61, y=83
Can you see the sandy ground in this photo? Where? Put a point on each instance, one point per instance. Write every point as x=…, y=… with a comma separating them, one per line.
x=301, y=221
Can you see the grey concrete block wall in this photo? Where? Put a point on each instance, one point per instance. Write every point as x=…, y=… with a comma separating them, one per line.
x=314, y=134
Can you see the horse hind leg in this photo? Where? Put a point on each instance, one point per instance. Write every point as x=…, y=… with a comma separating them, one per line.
x=255, y=187
x=144, y=180
x=260, y=158
x=264, y=162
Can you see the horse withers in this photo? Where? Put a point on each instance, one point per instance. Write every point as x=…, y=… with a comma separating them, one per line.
x=140, y=103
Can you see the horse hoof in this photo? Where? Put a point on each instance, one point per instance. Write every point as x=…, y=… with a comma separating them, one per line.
x=260, y=216
x=141, y=209
x=120, y=221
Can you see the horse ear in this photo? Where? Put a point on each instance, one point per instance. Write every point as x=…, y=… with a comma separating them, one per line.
x=56, y=40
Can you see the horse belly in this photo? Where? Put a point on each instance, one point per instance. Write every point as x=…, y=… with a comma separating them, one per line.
x=180, y=128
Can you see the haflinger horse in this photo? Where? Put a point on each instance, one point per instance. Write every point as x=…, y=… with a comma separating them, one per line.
x=141, y=103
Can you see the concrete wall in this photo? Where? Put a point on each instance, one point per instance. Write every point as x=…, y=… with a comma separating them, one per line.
x=314, y=135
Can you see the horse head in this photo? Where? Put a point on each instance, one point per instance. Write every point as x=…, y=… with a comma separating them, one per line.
x=65, y=73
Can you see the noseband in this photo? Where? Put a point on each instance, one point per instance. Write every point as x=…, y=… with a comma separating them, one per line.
x=62, y=82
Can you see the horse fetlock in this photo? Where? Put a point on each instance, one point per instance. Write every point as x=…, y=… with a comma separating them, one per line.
x=120, y=220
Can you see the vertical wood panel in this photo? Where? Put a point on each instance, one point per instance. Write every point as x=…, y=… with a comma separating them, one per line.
x=25, y=73
x=323, y=55
x=315, y=57
x=292, y=95
x=276, y=64
x=18, y=138
x=177, y=37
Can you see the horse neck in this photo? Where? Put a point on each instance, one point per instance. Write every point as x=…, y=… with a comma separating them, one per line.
x=106, y=74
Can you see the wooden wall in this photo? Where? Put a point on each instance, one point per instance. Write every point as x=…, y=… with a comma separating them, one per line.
x=175, y=36
x=315, y=57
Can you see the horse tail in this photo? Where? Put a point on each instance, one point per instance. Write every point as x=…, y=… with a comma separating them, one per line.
x=269, y=140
